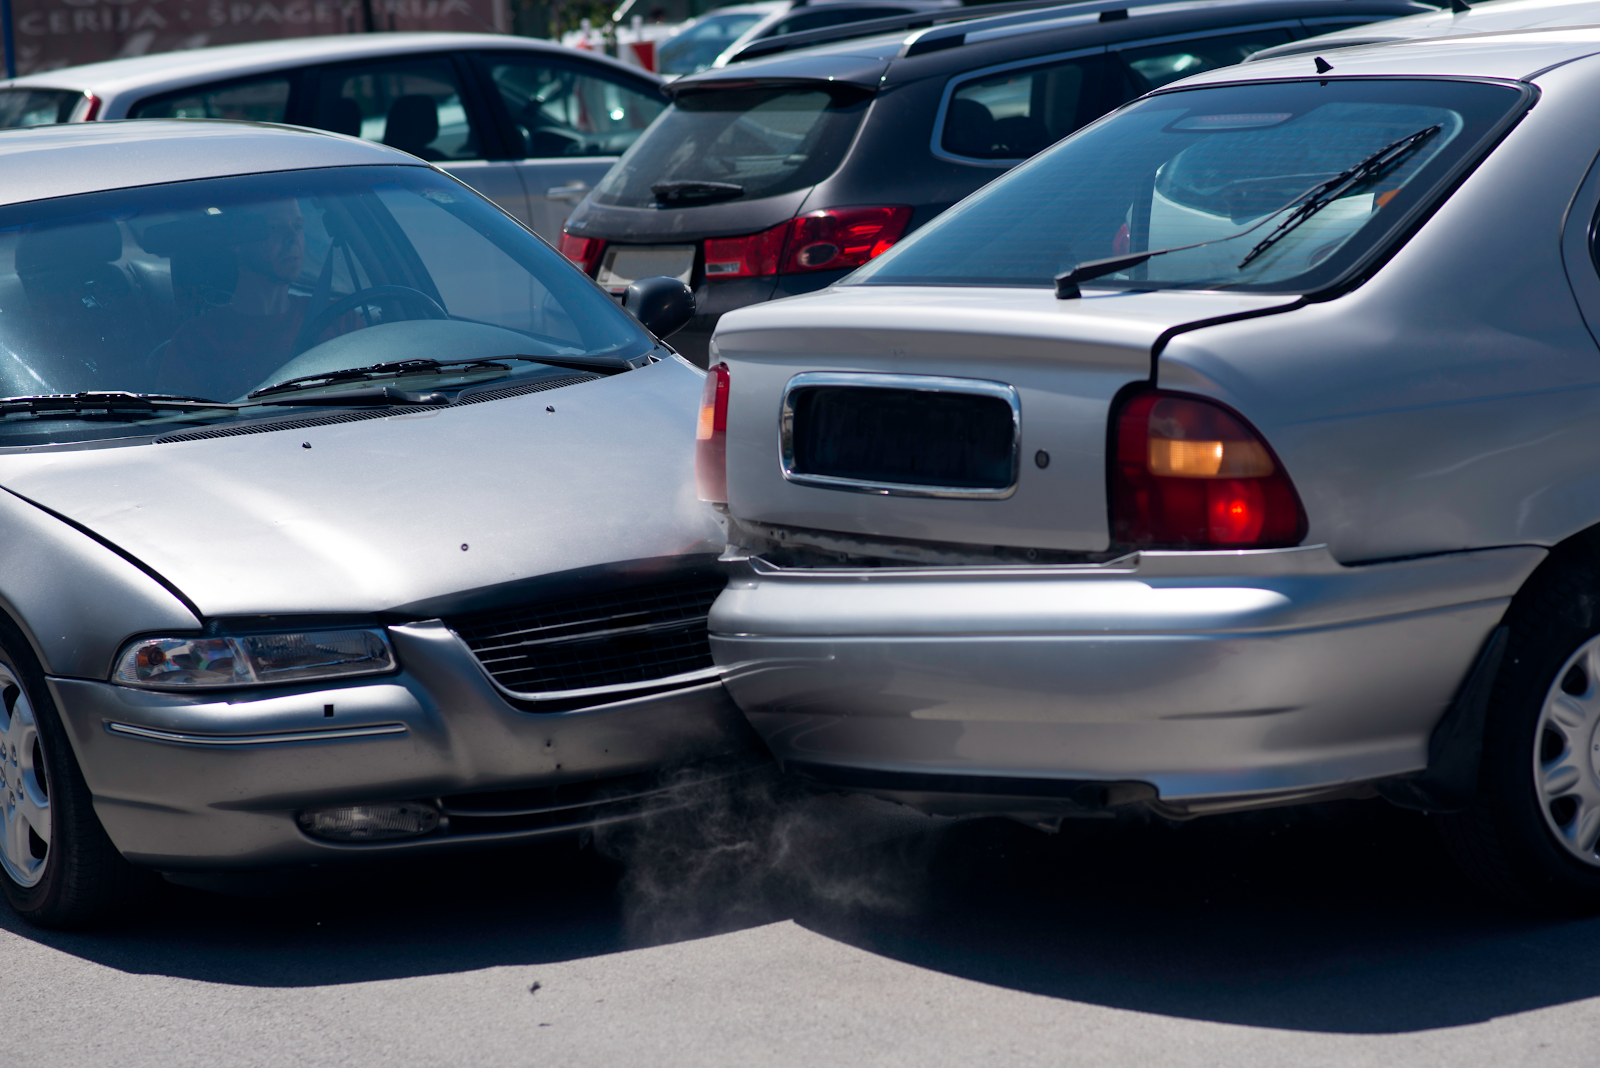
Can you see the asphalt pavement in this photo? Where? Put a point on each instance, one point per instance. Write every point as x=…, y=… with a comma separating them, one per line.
x=753, y=932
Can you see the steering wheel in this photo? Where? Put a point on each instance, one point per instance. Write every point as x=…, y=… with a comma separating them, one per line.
x=326, y=318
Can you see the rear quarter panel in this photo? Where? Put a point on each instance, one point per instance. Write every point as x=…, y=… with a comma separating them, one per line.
x=1452, y=401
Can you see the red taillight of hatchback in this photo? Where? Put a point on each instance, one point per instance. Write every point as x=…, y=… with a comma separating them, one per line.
x=711, y=438
x=1190, y=474
x=831, y=240
x=584, y=251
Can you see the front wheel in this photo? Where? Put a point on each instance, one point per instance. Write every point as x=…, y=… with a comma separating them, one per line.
x=57, y=866
x=1532, y=833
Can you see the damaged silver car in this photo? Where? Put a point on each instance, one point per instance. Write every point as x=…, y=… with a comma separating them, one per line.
x=341, y=517
x=1238, y=451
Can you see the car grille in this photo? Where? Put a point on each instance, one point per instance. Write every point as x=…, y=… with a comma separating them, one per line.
x=632, y=635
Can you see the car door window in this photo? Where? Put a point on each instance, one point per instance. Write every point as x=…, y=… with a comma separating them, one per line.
x=1013, y=114
x=414, y=105
x=564, y=110
x=257, y=100
x=1157, y=65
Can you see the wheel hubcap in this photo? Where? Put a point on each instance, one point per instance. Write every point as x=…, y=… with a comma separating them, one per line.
x=1566, y=756
x=24, y=787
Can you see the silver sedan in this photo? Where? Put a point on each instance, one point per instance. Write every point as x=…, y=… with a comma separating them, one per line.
x=341, y=516
x=1238, y=451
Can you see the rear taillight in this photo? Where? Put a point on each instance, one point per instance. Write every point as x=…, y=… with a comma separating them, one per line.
x=832, y=240
x=711, y=438
x=88, y=108
x=1190, y=474
x=745, y=257
x=584, y=251
x=838, y=238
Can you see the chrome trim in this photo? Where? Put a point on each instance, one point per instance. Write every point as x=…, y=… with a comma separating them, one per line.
x=178, y=738
x=929, y=383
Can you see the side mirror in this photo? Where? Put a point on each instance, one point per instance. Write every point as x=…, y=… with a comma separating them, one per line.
x=663, y=305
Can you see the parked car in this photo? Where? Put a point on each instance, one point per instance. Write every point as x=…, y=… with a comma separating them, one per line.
x=529, y=124
x=715, y=37
x=1238, y=451
x=343, y=517
x=1487, y=17
x=824, y=14
x=780, y=176
x=698, y=44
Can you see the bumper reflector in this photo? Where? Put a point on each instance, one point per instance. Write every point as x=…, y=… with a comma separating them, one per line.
x=370, y=823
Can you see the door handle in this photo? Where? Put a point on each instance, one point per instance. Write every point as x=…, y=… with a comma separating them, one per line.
x=572, y=192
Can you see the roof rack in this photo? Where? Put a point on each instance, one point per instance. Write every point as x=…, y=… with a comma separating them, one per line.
x=789, y=42
x=941, y=33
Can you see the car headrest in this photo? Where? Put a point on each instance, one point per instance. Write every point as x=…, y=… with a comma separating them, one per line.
x=413, y=123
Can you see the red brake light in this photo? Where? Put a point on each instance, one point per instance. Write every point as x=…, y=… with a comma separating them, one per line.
x=584, y=251
x=711, y=438
x=831, y=240
x=1191, y=474
x=839, y=238
x=90, y=107
x=745, y=257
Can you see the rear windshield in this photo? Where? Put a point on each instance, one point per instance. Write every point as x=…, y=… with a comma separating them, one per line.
x=1234, y=170
x=36, y=107
x=765, y=141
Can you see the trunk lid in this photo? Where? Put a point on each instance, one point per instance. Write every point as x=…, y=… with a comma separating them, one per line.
x=870, y=466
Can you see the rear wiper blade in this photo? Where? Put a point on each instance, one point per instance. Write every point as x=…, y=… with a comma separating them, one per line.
x=600, y=365
x=1309, y=203
x=1367, y=170
x=700, y=192
x=108, y=401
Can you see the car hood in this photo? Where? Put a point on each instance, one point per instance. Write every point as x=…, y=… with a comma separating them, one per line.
x=402, y=512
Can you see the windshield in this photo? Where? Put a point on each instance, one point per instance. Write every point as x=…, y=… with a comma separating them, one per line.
x=766, y=141
x=37, y=107
x=212, y=289
x=1204, y=166
x=698, y=45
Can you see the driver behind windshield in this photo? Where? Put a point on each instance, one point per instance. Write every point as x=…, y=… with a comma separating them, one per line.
x=223, y=352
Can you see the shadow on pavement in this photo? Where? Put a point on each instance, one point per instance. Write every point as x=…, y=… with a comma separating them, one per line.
x=1336, y=918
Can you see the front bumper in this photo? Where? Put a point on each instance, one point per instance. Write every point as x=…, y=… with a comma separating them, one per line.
x=1196, y=681
x=206, y=781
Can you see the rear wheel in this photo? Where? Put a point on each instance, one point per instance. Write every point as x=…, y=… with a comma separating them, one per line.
x=1532, y=833
x=57, y=866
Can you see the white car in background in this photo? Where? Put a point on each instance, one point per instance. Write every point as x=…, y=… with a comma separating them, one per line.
x=529, y=124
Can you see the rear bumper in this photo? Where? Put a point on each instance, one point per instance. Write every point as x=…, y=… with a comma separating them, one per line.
x=1201, y=680
x=207, y=782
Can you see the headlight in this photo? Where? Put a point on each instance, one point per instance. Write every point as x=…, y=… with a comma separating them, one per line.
x=253, y=659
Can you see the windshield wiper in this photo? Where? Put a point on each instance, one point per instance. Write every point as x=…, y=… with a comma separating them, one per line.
x=600, y=365
x=95, y=401
x=1309, y=203
x=699, y=192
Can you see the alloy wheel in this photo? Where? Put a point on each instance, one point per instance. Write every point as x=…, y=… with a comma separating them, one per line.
x=24, y=786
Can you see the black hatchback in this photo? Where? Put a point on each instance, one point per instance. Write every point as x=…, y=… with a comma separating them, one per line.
x=780, y=175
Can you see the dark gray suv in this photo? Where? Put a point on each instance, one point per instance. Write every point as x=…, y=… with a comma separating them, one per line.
x=780, y=175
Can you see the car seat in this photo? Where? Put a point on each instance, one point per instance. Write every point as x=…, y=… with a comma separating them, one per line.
x=87, y=317
x=969, y=129
x=412, y=125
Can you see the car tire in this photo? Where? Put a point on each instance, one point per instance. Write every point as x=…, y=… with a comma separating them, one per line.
x=1530, y=834
x=70, y=875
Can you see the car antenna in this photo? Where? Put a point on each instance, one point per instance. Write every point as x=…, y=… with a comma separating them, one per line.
x=1323, y=66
